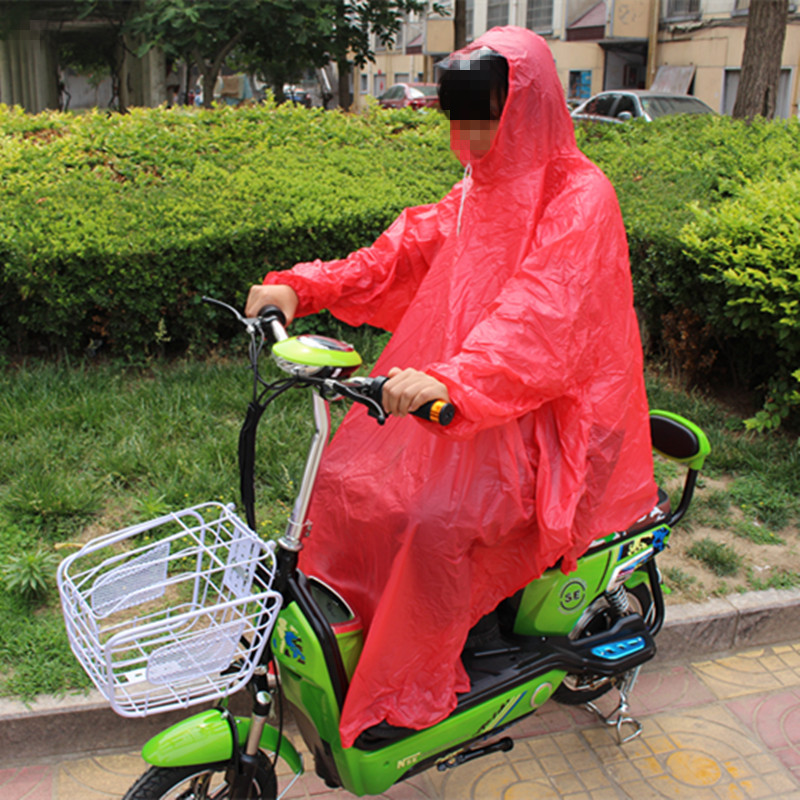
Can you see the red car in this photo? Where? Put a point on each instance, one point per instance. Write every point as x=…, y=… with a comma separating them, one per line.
x=415, y=95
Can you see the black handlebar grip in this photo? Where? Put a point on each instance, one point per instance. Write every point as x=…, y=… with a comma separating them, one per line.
x=273, y=311
x=433, y=411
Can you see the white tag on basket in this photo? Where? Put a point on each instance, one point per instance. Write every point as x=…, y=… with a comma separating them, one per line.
x=241, y=566
x=133, y=582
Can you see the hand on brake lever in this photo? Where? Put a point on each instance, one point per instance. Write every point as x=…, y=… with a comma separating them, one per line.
x=408, y=389
x=279, y=295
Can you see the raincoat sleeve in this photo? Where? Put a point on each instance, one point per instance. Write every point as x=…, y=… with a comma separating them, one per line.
x=376, y=284
x=539, y=340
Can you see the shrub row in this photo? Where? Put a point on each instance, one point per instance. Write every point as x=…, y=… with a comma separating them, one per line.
x=711, y=207
x=113, y=227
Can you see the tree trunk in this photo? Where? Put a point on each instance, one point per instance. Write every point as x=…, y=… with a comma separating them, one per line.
x=343, y=68
x=187, y=82
x=209, y=82
x=460, y=23
x=761, y=62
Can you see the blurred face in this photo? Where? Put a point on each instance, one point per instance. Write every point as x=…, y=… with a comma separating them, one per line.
x=470, y=139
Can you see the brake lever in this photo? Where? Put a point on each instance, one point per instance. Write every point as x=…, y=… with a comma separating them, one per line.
x=374, y=409
x=252, y=324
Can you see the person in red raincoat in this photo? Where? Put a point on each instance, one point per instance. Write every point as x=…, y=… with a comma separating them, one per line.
x=512, y=298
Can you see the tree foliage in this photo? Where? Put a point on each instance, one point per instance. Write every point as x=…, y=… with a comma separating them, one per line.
x=356, y=22
x=200, y=31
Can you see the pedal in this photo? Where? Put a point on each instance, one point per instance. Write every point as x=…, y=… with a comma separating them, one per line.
x=619, y=716
x=502, y=745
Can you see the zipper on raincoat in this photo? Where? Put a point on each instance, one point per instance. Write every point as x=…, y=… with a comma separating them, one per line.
x=466, y=185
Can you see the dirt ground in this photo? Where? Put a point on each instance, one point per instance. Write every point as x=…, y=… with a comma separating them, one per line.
x=760, y=563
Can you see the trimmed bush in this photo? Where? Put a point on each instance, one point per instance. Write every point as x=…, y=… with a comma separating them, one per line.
x=748, y=253
x=113, y=227
x=711, y=206
x=663, y=170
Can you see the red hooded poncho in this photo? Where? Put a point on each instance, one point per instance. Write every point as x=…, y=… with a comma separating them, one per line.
x=525, y=311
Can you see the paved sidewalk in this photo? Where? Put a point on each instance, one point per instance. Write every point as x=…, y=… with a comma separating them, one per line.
x=715, y=725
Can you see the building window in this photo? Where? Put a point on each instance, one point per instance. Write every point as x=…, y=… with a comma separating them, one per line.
x=783, y=104
x=540, y=15
x=364, y=83
x=496, y=13
x=683, y=8
x=580, y=84
x=470, y=21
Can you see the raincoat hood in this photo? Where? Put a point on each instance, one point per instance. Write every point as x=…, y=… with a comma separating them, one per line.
x=514, y=290
x=535, y=124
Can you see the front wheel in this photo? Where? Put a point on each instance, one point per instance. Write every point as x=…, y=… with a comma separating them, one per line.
x=200, y=782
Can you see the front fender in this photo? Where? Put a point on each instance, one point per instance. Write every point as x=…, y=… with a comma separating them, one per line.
x=205, y=738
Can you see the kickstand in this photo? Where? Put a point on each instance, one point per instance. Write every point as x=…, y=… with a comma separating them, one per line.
x=619, y=716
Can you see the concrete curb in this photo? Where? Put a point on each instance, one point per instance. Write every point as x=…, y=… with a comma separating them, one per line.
x=56, y=726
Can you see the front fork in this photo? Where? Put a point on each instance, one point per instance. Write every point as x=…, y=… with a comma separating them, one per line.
x=242, y=770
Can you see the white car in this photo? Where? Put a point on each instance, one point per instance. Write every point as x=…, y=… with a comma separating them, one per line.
x=621, y=105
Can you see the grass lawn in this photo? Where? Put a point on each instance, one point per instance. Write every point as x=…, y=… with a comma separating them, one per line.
x=89, y=449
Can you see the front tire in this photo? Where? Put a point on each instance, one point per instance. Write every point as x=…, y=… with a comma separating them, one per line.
x=200, y=782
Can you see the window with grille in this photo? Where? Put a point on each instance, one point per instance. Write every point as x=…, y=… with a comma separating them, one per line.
x=540, y=15
x=496, y=13
x=683, y=8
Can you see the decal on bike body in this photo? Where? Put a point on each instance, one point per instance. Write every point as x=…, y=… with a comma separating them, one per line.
x=633, y=547
x=639, y=552
x=654, y=539
x=505, y=709
x=287, y=640
x=572, y=596
x=408, y=761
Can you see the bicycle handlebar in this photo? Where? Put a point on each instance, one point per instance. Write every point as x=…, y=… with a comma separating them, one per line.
x=276, y=322
x=433, y=411
x=273, y=320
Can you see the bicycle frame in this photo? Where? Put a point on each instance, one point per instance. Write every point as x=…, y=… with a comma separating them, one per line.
x=315, y=641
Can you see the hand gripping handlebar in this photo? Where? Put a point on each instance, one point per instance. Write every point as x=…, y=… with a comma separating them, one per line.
x=438, y=411
x=433, y=411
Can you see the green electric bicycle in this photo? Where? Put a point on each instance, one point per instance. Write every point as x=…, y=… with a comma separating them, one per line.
x=193, y=607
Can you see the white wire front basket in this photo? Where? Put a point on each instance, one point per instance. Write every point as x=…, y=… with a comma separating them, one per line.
x=171, y=612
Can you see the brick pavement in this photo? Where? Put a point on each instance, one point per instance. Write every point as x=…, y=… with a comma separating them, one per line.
x=725, y=727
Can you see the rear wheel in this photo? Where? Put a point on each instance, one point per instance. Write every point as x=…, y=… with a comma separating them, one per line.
x=200, y=782
x=575, y=690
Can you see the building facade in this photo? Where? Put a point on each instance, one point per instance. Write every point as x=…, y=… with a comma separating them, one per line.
x=690, y=46
x=687, y=46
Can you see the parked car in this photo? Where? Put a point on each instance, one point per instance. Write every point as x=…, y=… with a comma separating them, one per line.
x=623, y=105
x=414, y=95
x=296, y=95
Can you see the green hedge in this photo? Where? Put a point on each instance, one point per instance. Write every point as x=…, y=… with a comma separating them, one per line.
x=662, y=170
x=113, y=227
x=711, y=208
x=748, y=252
